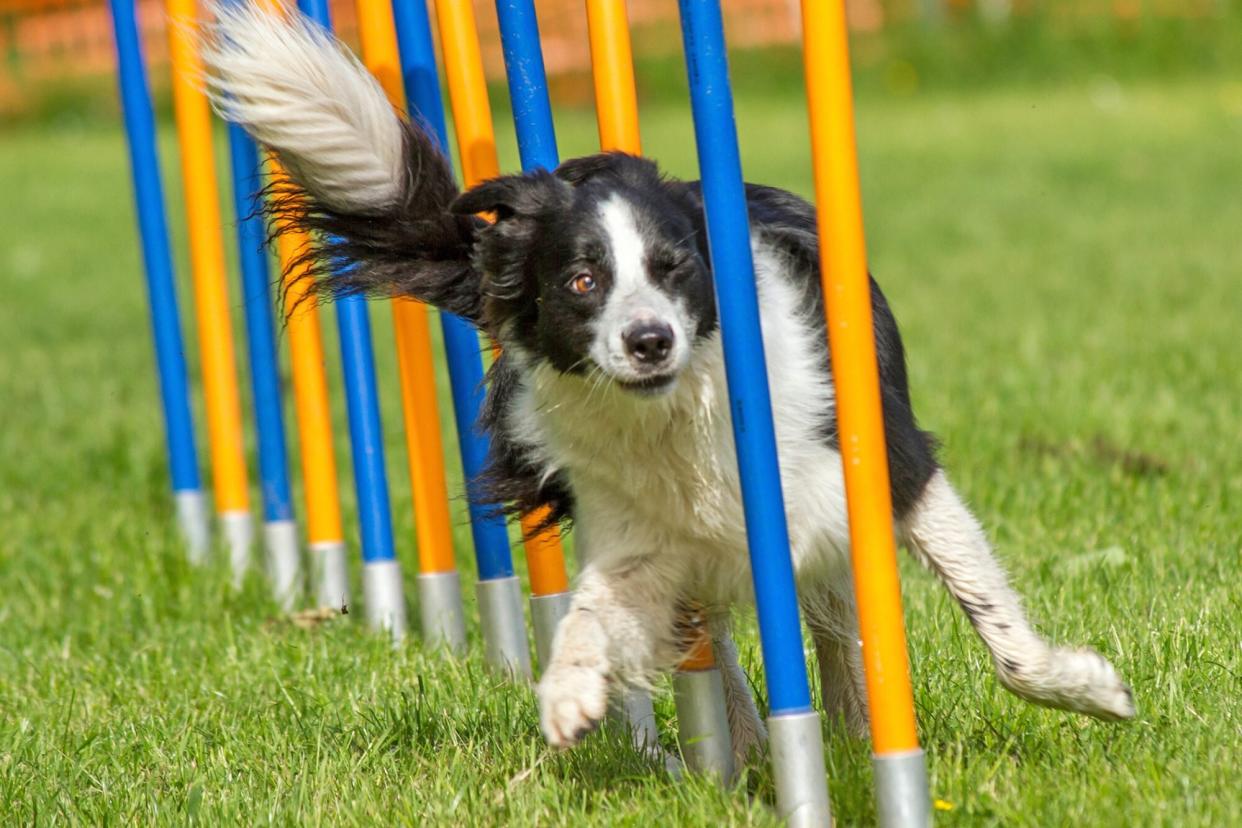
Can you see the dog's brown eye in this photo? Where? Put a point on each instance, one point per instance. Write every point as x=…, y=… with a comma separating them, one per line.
x=582, y=284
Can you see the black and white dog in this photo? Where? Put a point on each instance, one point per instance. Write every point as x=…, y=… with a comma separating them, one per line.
x=609, y=405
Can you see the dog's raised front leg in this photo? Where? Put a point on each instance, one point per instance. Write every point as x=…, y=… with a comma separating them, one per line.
x=942, y=532
x=619, y=629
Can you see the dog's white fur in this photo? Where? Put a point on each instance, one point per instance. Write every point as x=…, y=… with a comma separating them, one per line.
x=299, y=91
x=655, y=480
x=659, y=508
x=633, y=299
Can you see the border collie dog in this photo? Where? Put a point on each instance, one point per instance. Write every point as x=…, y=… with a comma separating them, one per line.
x=608, y=406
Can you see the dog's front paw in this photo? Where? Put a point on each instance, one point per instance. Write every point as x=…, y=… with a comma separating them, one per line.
x=1080, y=680
x=572, y=701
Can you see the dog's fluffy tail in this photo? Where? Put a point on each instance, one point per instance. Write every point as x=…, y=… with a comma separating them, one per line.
x=371, y=189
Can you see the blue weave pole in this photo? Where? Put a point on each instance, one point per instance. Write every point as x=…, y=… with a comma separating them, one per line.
x=461, y=341
x=728, y=231
x=366, y=434
x=188, y=494
x=528, y=84
x=280, y=531
x=536, y=135
x=795, y=739
x=382, y=587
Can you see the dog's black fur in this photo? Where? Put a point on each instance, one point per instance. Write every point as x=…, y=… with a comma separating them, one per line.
x=508, y=275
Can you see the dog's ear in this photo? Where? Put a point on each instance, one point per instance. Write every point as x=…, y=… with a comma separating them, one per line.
x=509, y=196
x=619, y=166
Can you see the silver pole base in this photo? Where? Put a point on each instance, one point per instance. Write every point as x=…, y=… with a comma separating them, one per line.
x=797, y=746
x=194, y=521
x=330, y=573
x=385, y=598
x=505, y=647
x=703, y=723
x=440, y=611
x=634, y=710
x=902, y=798
x=238, y=530
x=284, y=561
x=546, y=612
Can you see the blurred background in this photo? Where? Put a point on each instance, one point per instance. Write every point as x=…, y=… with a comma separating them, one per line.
x=56, y=56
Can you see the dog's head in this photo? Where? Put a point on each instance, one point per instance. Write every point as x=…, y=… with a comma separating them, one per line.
x=595, y=267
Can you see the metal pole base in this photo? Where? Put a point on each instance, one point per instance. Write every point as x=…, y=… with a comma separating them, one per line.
x=331, y=574
x=194, y=521
x=284, y=561
x=384, y=597
x=238, y=530
x=902, y=798
x=546, y=612
x=505, y=647
x=703, y=723
x=797, y=746
x=638, y=712
x=440, y=611
x=634, y=710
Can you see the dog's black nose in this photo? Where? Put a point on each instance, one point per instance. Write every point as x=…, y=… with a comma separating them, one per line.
x=649, y=342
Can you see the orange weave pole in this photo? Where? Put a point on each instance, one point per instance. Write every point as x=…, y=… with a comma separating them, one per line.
x=612, y=66
x=472, y=114
x=847, y=299
x=415, y=360
x=545, y=559
x=699, y=655
x=207, y=265
x=310, y=397
x=476, y=144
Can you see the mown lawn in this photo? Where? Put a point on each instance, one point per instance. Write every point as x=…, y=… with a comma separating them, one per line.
x=1065, y=265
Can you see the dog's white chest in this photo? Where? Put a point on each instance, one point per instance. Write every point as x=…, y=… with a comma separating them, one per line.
x=668, y=465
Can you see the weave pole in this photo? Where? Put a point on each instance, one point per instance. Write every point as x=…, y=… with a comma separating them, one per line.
x=382, y=591
x=443, y=618
x=900, y=772
x=612, y=70
x=532, y=118
x=280, y=532
x=499, y=593
x=702, y=717
x=476, y=142
x=794, y=727
x=324, y=533
x=325, y=536
x=188, y=498
x=211, y=294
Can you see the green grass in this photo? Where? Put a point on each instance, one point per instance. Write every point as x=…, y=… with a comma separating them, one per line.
x=1065, y=267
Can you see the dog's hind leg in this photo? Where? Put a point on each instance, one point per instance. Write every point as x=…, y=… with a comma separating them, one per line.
x=833, y=621
x=945, y=536
x=746, y=729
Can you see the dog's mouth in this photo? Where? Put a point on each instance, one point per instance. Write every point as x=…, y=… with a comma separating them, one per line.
x=652, y=386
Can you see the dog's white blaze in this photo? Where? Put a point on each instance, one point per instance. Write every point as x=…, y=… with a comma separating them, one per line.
x=626, y=246
x=633, y=297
